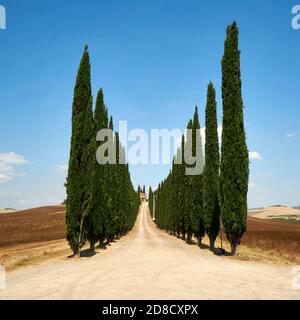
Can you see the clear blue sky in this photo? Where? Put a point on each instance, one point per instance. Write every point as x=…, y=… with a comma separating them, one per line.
x=154, y=60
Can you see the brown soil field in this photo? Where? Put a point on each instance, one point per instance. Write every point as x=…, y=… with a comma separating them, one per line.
x=280, y=237
x=32, y=225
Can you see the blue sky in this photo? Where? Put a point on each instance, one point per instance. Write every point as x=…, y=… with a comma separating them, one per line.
x=154, y=60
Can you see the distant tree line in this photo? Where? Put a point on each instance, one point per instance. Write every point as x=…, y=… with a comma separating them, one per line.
x=187, y=205
x=101, y=202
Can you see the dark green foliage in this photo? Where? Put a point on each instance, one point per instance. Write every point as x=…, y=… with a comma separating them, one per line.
x=150, y=201
x=78, y=186
x=179, y=197
x=101, y=201
x=188, y=211
x=189, y=205
x=234, y=161
x=197, y=181
x=97, y=204
x=211, y=180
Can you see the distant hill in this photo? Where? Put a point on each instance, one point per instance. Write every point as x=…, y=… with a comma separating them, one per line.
x=296, y=207
x=277, y=205
x=7, y=210
x=277, y=212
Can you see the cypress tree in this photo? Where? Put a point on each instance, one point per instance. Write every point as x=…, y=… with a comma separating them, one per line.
x=101, y=114
x=177, y=191
x=97, y=203
x=211, y=196
x=234, y=159
x=188, y=212
x=111, y=123
x=150, y=200
x=197, y=181
x=182, y=192
x=110, y=192
x=117, y=189
x=78, y=181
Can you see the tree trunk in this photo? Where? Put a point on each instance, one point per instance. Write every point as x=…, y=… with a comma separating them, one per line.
x=101, y=243
x=211, y=244
x=75, y=252
x=234, y=249
x=92, y=246
x=189, y=238
x=80, y=234
x=199, y=241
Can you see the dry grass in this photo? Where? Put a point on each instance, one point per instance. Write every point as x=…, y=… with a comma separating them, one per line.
x=268, y=241
x=30, y=254
x=279, y=238
x=258, y=254
x=32, y=236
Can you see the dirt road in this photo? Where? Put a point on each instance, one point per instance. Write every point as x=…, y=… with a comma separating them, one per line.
x=150, y=264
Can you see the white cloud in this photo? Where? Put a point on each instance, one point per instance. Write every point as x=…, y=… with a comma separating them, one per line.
x=252, y=184
x=62, y=167
x=290, y=135
x=12, y=158
x=254, y=155
x=3, y=194
x=7, y=163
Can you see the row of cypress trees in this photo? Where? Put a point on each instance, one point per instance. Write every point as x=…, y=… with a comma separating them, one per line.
x=194, y=205
x=141, y=189
x=101, y=201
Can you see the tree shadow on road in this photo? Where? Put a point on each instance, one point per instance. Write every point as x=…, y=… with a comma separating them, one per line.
x=203, y=246
x=87, y=253
x=191, y=242
x=221, y=252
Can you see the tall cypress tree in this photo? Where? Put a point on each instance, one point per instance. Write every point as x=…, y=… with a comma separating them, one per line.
x=188, y=212
x=110, y=185
x=97, y=203
x=235, y=159
x=150, y=200
x=197, y=181
x=78, y=181
x=182, y=192
x=101, y=114
x=177, y=189
x=211, y=180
